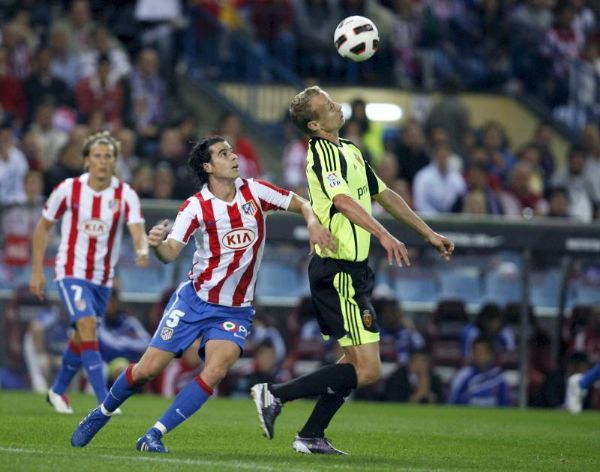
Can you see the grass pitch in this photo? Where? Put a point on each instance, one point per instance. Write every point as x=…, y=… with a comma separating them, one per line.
x=224, y=436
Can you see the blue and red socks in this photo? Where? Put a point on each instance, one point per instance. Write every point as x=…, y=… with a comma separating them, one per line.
x=122, y=389
x=94, y=368
x=186, y=403
x=590, y=377
x=71, y=363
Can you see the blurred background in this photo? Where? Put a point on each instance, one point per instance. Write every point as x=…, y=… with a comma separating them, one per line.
x=503, y=94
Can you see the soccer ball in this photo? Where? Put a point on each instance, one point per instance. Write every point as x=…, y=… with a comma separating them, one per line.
x=356, y=38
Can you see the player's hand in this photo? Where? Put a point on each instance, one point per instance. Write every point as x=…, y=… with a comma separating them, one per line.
x=321, y=236
x=157, y=234
x=37, y=284
x=141, y=258
x=443, y=245
x=396, y=250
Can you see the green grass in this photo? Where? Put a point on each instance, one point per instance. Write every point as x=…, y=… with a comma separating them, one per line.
x=225, y=436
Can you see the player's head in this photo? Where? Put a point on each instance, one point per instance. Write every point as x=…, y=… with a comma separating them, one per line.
x=214, y=157
x=100, y=152
x=313, y=112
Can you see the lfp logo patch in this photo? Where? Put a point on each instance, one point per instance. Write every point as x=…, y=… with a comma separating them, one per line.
x=333, y=180
x=249, y=208
x=230, y=326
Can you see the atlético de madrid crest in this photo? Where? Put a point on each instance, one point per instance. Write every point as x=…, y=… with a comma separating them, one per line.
x=114, y=204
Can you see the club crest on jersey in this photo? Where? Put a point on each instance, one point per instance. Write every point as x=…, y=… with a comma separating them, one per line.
x=238, y=238
x=114, y=205
x=249, y=208
x=166, y=333
x=367, y=319
x=333, y=180
x=93, y=227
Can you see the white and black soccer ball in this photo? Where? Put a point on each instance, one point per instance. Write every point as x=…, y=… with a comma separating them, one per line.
x=356, y=38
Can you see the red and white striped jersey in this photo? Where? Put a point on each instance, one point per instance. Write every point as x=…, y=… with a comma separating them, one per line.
x=230, y=239
x=92, y=227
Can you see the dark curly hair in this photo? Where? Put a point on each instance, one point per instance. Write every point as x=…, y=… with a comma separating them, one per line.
x=200, y=155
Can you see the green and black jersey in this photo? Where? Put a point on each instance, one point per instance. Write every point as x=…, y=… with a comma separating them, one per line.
x=340, y=169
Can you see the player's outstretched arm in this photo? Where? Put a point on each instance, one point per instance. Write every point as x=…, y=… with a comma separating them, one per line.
x=395, y=205
x=140, y=243
x=166, y=250
x=351, y=209
x=39, y=243
x=318, y=234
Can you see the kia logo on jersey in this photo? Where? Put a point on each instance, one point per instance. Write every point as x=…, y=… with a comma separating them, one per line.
x=239, y=238
x=93, y=228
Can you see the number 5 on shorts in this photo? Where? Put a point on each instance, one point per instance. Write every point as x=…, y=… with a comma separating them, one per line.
x=174, y=317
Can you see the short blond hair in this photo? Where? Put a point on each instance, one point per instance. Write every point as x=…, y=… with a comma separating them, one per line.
x=301, y=110
x=103, y=137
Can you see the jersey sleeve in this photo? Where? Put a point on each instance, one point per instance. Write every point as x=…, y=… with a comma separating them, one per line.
x=56, y=204
x=133, y=208
x=329, y=168
x=376, y=185
x=271, y=197
x=186, y=222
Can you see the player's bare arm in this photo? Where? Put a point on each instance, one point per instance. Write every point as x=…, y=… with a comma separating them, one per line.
x=39, y=243
x=318, y=234
x=140, y=243
x=166, y=250
x=351, y=209
x=395, y=205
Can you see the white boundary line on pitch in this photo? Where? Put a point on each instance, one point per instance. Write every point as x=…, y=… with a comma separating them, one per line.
x=168, y=460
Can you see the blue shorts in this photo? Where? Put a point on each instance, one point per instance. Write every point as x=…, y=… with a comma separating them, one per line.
x=83, y=298
x=187, y=317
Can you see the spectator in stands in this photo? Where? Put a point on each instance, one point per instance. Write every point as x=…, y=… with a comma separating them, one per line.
x=78, y=26
x=294, y=159
x=531, y=154
x=491, y=325
x=406, y=33
x=18, y=51
x=69, y=164
x=230, y=127
x=102, y=92
x=143, y=180
x=272, y=22
x=452, y=115
x=480, y=383
x=482, y=196
x=437, y=187
x=558, y=202
x=127, y=159
x=542, y=139
x=585, y=18
x=264, y=329
x=370, y=131
x=572, y=178
x=188, y=129
x=164, y=182
x=147, y=94
x=41, y=86
x=519, y=200
x=13, y=167
x=414, y=382
x=121, y=335
x=65, y=63
x=411, y=152
x=591, y=142
x=588, y=339
x=172, y=151
x=49, y=139
x=500, y=160
x=12, y=97
x=263, y=369
x=352, y=131
x=103, y=44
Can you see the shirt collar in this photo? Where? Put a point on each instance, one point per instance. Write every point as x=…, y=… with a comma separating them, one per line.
x=208, y=195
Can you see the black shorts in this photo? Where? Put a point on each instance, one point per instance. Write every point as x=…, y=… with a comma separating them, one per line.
x=341, y=294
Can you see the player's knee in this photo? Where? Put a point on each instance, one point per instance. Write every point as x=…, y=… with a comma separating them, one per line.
x=144, y=373
x=215, y=373
x=368, y=374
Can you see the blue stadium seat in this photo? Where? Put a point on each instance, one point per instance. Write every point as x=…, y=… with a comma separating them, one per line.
x=463, y=283
x=586, y=293
x=154, y=279
x=277, y=279
x=502, y=288
x=416, y=285
x=545, y=288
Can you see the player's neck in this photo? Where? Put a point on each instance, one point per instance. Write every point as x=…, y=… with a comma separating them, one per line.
x=333, y=137
x=98, y=185
x=223, y=189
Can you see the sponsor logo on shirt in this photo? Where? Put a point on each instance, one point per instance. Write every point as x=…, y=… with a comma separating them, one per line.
x=249, y=208
x=333, y=180
x=93, y=228
x=239, y=238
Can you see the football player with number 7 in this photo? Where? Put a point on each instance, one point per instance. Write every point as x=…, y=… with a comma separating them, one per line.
x=227, y=220
x=94, y=207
